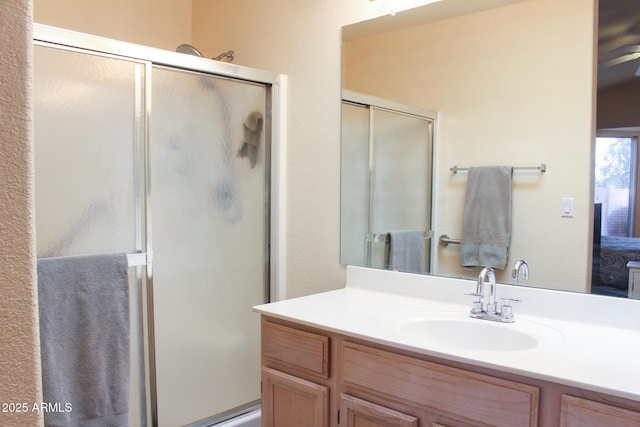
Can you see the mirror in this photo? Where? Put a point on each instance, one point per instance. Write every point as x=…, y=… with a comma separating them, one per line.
x=513, y=84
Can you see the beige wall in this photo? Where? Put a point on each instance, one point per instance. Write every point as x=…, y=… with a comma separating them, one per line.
x=19, y=338
x=508, y=93
x=164, y=24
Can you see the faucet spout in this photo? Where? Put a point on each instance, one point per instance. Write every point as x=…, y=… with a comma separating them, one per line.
x=520, y=265
x=488, y=273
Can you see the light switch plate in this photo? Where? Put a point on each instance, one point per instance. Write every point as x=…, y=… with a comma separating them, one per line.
x=567, y=207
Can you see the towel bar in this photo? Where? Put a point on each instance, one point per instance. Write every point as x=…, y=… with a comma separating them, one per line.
x=384, y=237
x=542, y=168
x=446, y=240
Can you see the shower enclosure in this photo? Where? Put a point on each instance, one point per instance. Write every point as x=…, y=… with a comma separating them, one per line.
x=386, y=182
x=138, y=150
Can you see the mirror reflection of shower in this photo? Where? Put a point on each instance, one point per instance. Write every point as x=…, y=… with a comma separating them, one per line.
x=190, y=50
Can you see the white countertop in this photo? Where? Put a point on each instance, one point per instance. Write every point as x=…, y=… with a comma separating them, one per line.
x=595, y=342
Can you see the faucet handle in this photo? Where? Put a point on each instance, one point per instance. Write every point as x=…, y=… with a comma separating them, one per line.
x=476, y=308
x=506, y=310
x=478, y=301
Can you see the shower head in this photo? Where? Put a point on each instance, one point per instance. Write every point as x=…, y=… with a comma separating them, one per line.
x=190, y=50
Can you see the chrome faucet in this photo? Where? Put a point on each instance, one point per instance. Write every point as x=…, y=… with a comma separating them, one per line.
x=488, y=272
x=485, y=306
x=521, y=264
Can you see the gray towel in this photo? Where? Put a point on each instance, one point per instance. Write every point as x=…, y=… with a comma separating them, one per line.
x=84, y=339
x=486, y=228
x=406, y=251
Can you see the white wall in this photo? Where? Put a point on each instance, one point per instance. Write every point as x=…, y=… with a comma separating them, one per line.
x=508, y=93
x=19, y=334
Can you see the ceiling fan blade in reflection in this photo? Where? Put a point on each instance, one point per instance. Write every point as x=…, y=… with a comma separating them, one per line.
x=628, y=48
x=619, y=60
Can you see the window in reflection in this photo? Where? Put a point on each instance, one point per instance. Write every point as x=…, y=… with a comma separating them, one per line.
x=615, y=244
x=615, y=187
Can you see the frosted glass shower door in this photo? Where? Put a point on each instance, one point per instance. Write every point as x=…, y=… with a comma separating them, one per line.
x=89, y=170
x=209, y=242
x=88, y=159
x=401, y=177
x=354, y=192
x=386, y=177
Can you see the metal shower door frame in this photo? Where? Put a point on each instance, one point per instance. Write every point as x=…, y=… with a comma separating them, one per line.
x=372, y=104
x=275, y=185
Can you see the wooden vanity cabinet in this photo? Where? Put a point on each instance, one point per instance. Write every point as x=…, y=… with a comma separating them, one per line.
x=316, y=378
x=295, y=376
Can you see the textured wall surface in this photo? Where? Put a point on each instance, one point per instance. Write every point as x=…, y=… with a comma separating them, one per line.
x=164, y=24
x=19, y=337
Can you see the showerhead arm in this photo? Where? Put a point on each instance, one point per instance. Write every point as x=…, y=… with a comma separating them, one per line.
x=229, y=55
x=190, y=50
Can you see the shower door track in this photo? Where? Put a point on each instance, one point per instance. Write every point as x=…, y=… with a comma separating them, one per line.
x=275, y=86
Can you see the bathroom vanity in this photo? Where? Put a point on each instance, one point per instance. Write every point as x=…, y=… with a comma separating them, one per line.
x=393, y=349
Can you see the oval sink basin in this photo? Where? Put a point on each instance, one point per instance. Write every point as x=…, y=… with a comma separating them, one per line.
x=457, y=329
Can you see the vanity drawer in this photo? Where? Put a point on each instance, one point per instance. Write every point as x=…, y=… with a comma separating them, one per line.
x=576, y=411
x=296, y=351
x=441, y=389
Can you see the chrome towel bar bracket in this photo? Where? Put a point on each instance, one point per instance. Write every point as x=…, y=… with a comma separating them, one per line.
x=446, y=241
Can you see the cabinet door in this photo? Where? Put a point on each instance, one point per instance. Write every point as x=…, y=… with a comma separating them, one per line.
x=577, y=412
x=356, y=412
x=289, y=401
